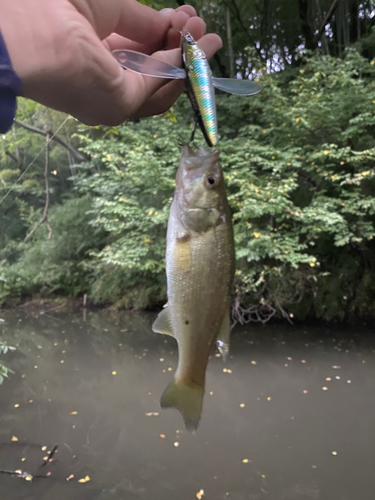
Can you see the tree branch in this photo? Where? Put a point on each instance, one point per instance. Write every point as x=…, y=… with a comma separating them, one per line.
x=13, y=157
x=246, y=30
x=77, y=155
x=222, y=68
x=326, y=20
x=45, y=211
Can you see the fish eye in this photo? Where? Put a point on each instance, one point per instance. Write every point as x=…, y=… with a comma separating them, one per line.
x=212, y=181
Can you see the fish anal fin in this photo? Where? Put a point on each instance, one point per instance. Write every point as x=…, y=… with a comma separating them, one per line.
x=223, y=339
x=187, y=400
x=163, y=323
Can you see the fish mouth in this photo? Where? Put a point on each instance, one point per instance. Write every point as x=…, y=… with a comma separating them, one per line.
x=194, y=159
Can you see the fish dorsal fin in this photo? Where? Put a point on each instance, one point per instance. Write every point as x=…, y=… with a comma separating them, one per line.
x=163, y=323
x=223, y=338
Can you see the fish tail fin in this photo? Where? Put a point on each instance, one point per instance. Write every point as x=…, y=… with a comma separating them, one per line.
x=187, y=400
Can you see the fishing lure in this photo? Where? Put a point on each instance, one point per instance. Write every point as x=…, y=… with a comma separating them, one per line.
x=200, y=84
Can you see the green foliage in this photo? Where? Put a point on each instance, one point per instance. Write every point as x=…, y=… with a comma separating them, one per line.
x=298, y=160
x=130, y=202
x=303, y=183
x=55, y=266
x=4, y=349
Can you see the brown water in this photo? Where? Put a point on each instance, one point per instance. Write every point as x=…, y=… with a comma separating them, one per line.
x=268, y=429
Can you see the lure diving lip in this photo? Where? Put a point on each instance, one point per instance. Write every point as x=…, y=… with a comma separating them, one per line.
x=200, y=83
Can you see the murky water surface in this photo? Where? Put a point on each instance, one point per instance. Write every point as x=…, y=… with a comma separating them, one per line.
x=291, y=414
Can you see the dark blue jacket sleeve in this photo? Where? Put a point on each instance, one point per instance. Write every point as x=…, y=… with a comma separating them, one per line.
x=10, y=88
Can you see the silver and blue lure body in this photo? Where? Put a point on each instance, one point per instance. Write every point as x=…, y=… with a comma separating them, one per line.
x=200, y=88
x=200, y=83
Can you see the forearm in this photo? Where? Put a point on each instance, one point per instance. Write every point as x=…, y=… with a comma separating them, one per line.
x=10, y=87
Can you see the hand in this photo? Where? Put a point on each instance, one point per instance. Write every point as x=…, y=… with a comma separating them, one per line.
x=61, y=49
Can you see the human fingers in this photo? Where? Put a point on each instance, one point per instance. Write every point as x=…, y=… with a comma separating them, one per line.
x=178, y=20
x=128, y=18
x=188, y=9
x=194, y=25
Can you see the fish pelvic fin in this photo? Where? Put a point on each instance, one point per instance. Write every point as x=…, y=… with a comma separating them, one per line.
x=163, y=323
x=187, y=400
x=223, y=339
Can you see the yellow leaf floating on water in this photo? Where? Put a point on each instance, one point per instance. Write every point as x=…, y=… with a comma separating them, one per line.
x=334, y=453
x=200, y=494
x=44, y=448
x=16, y=405
x=162, y=436
x=324, y=388
x=74, y=412
x=29, y=478
x=152, y=414
x=242, y=405
x=176, y=444
x=245, y=461
x=114, y=373
x=85, y=479
x=14, y=438
x=269, y=398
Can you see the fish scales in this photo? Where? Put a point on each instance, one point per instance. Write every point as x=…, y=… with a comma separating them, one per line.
x=200, y=269
x=198, y=316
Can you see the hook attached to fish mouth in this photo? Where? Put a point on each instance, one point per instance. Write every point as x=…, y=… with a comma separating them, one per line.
x=195, y=158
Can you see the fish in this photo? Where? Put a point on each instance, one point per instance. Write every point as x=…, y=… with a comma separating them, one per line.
x=200, y=264
x=199, y=82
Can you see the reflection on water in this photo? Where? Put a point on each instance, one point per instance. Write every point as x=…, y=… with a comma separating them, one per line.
x=274, y=415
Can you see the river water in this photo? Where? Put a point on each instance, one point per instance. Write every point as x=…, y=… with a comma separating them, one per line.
x=290, y=415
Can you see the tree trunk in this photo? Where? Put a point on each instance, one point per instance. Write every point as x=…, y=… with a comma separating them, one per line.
x=230, y=44
x=354, y=21
x=307, y=31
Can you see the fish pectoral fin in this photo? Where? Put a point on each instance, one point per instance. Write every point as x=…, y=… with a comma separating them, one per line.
x=223, y=339
x=187, y=400
x=163, y=323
